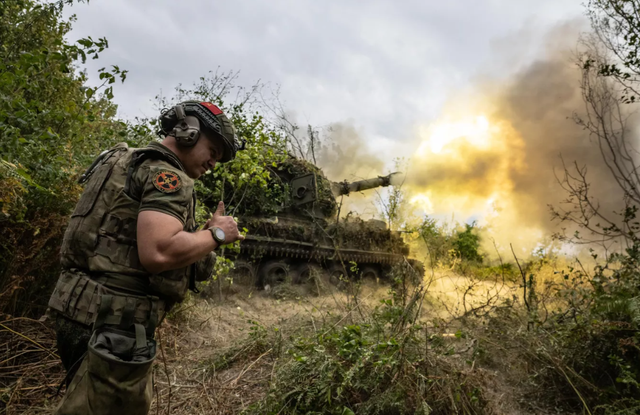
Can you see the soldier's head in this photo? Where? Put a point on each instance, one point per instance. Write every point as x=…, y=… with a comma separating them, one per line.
x=200, y=135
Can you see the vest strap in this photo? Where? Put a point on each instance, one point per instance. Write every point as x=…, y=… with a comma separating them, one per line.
x=153, y=316
x=103, y=311
x=141, y=336
x=126, y=320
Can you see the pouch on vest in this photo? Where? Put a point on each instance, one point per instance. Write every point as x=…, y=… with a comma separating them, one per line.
x=205, y=267
x=115, y=376
x=76, y=296
x=79, y=298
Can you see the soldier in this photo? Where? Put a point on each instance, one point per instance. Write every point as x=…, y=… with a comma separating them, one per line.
x=131, y=251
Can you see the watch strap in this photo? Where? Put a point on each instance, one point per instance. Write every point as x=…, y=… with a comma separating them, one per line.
x=213, y=235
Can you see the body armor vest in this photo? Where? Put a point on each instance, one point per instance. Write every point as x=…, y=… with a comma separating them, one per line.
x=101, y=237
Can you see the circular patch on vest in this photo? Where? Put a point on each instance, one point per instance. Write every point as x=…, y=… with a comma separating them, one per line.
x=167, y=182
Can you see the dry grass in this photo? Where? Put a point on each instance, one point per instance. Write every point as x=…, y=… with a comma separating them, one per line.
x=222, y=358
x=30, y=370
x=207, y=361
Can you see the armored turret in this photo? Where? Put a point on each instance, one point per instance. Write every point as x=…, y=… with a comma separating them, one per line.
x=311, y=188
x=305, y=232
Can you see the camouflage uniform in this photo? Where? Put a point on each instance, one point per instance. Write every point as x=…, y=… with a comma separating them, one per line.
x=107, y=304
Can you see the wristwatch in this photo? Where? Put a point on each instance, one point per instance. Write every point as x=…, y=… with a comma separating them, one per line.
x=218, y=235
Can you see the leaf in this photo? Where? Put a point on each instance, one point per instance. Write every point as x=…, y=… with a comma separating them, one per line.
x=87, y=43
x=22, y=173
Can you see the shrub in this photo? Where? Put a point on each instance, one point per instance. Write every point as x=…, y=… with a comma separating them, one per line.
x=51, y=126
x=385, y=363
x=467, y=243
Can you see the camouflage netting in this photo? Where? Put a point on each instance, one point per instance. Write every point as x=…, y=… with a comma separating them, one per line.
x=275, y=198
x=367, y=235
x=303, y=232
x=354, y=234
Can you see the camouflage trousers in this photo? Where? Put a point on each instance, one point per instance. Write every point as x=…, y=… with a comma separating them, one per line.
x=115, y=375
x=72, y=341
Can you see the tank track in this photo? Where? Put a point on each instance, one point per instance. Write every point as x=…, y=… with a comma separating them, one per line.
x=264, y=261
x=255, y=245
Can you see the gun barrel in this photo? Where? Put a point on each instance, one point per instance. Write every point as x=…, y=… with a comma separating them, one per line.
x=345, y=187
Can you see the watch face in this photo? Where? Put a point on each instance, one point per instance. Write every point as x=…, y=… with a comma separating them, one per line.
x=220, y=234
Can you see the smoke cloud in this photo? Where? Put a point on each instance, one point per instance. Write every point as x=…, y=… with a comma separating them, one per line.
x=496, y=153
x=344, y=155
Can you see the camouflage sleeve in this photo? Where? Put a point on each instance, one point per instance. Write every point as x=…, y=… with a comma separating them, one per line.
x=205, y=267
x=165, y=190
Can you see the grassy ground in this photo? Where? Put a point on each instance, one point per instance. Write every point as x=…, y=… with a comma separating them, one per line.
x=459, y=347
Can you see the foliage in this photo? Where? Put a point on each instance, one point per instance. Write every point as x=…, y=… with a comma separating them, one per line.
x=597, y=330
x=596, y=327
x=467, y=243
x=447, y=247
x=382, y=364
x=617, y=26
x=353, y=232
x=52, y=124
x=437, y=239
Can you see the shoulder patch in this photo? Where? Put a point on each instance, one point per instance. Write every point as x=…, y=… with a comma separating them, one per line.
x=167, y=181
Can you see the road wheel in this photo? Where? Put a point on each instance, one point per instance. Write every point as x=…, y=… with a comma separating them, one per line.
x=306, y=273
x=370, y=273
x=274, y=272
x=337, y=276
x=244, y=273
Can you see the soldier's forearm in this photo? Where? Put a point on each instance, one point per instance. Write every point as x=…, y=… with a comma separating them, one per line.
x=181, y=250
x=186, y=248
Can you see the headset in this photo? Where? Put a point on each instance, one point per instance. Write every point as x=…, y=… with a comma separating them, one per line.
x=186, y=129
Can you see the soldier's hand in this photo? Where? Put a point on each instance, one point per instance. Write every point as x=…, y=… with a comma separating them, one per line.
x=226, y=223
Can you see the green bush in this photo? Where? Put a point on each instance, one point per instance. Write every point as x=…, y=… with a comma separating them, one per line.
x=467, y=243
x=436, y=239
x=51, y=126
x=599, y=332
x=382, y=364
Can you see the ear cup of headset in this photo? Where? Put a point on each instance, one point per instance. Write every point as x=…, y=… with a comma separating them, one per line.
x=187, y=131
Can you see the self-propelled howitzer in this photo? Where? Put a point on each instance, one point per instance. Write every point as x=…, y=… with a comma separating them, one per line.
x=306, y=233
